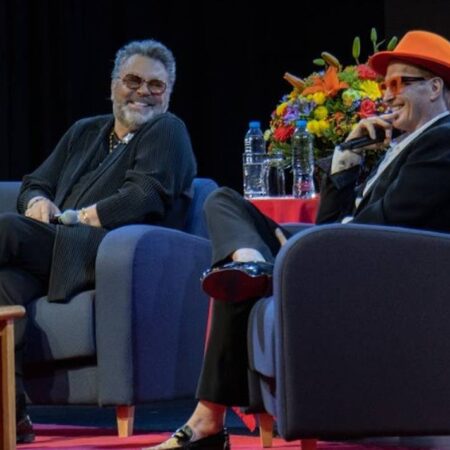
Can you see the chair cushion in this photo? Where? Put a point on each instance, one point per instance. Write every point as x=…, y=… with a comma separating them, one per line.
x=67, y=385
x=61, y=330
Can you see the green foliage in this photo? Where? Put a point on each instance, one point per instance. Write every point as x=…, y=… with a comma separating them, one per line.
x=373, y=36
x=356, y=49
x=349, y=76
x=375, y=44
x=392, y=43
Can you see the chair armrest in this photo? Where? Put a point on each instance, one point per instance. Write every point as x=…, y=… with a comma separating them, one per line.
x=362, y=324
x=150, y=313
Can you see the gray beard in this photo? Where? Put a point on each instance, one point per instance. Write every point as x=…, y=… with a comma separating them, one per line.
x=135, y=119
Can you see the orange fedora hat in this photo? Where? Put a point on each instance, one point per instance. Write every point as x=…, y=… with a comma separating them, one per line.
x=420, y=48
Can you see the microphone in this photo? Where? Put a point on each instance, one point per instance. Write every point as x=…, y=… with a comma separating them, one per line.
x=363, y=141
x=68, y=217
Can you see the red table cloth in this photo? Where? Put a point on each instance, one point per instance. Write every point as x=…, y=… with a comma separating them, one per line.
x=288, y=209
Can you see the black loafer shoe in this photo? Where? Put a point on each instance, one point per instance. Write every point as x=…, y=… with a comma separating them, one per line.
x=24, y=431
x=182, y=439
x=238, y=281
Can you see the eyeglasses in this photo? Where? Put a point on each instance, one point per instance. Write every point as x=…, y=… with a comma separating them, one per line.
x=397, y=83
x=134, y=82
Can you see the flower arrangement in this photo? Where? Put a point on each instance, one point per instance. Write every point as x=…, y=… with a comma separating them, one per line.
x=331, y=100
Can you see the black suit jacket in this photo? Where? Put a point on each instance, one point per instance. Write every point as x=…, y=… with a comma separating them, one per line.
x=147, y=181
x=413, y=191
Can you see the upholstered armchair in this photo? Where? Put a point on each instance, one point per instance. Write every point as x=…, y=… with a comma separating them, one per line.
x=139, y=336
x=355, y=341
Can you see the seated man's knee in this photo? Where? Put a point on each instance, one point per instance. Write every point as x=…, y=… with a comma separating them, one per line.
x=220, y=198
x=10, y=222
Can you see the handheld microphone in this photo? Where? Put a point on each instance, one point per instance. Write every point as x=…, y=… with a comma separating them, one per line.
x=68, y=217
x=363, y=141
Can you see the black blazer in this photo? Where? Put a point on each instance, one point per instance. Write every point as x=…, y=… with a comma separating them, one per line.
x=413, y=191
x=147, y=181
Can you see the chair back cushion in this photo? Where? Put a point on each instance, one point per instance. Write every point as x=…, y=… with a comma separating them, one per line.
x=9, y=190
x=195, y=222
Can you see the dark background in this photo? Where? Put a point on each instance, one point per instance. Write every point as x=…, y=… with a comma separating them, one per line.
x=56, y=59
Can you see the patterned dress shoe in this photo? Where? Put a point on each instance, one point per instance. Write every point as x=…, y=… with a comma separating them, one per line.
x=182, y=439
x=238, y=281
x=24, y=431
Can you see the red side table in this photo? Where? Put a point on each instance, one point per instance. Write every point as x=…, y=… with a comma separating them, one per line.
x=288, y=209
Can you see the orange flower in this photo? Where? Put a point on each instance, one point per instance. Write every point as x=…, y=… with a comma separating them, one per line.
x=339, y=116
x=329, y=84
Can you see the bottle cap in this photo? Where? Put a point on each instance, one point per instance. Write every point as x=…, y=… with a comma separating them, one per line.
x=255, y=124
x=301, y=124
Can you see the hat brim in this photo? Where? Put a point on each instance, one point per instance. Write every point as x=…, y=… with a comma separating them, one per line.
x=380, y=61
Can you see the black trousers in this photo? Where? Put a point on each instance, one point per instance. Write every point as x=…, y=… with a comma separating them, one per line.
x=26, y=248
x=233, y=223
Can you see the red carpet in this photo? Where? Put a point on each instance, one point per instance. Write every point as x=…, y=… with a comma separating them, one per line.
x=85, y=438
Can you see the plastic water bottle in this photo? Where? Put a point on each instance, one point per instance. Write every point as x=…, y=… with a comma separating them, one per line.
x=253, y=161
x=302, y=161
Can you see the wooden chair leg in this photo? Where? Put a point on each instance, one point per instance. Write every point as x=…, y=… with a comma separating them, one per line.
x=7, y=376
x=265, y=429
x=125, y=420
x=309, y=444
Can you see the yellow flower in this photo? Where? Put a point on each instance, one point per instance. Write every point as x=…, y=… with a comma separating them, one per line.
x=313, y=127
x=319, y=98
x=321, y=112
x=280, y=108
x=371, y=89
x=317, y=127
x=323, y=125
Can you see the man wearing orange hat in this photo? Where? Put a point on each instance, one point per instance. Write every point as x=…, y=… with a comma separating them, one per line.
x=409, y=188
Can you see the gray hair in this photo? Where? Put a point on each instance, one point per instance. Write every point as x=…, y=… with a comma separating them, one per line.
x=151, y=49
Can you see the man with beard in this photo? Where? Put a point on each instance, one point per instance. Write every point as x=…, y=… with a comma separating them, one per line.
x=135, y=166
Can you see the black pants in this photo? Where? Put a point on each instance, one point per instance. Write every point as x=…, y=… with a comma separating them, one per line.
x=26, y=247
x=233, y=223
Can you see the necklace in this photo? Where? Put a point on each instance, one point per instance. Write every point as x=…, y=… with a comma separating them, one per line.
x=114, y=141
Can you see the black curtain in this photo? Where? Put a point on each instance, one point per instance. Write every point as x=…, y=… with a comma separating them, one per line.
x=57, y=55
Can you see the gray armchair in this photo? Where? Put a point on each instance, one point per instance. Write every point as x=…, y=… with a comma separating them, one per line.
x=355, y=341
x=139, y=336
